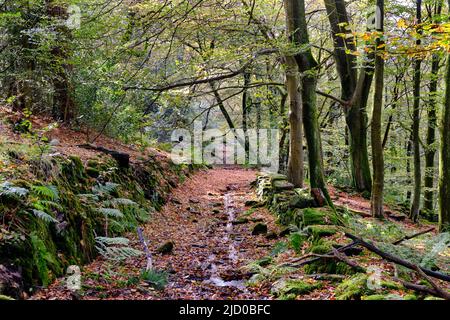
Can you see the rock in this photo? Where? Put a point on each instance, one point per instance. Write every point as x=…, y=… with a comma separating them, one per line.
x=166, y=248
x=321, y=231
x=240, y=221
x=92, y=172
x=281, y=185
x=251, y=203
x=194, y=201
x=272, y=236
x=259, y=228
x=54, y=142
x=302, y=199
x=285, y=232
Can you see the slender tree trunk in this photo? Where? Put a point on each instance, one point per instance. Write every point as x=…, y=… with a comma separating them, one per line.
x=298, y=31
x=246, y=103
x=430, y=150
x=415, y=206
x=377, y=144
x=295, y=164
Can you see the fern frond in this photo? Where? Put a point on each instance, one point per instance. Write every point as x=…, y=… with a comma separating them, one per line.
x=109, y=212
x=46, y=192
x=118, y=241
x=44, y=216
x=7, y=189
x=89, y=197
x=107, y=188
x=120, y=201
x=116, y=249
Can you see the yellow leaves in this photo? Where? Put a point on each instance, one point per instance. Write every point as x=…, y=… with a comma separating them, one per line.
x=402, y=24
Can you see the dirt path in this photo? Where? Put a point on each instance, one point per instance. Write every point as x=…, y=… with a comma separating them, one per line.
x=210, y=247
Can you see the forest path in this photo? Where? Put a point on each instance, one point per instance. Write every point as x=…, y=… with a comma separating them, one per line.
x=210, y=245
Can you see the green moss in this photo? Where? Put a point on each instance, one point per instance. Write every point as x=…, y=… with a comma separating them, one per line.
x=353, y=288
x=321, y=231
x=92, y=172
x=283, y=288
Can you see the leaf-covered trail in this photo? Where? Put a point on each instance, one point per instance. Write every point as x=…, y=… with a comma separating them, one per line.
x=211, y=245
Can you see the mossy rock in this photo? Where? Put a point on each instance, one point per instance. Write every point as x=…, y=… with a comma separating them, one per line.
x=311, y=216
x=280, y=185
x=353, y=288
x=5, y=298
x=327, y=266
x=166, y=248
x=302, y=199
x=283, y=288
x=92, y=172
x=290, y=217
x=259, y=229
x=410, y=297
x=378, y=297
x=321, y=247
x=321, y=231
x=276, y=177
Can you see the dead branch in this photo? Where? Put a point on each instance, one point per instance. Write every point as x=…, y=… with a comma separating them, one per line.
x=413, y=236
x=397, y=260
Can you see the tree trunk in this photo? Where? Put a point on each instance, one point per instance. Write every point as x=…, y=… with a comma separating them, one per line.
x=444, y=166
x=298, y=31
x=377, y=143
x=246, y=103
x=430, y=150
x=295, y=164
x=356, y=95
x=63, y=104
x=415, y=207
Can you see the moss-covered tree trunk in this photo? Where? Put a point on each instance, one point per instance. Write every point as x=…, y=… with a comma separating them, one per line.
x=377, y=143
x=298, y=31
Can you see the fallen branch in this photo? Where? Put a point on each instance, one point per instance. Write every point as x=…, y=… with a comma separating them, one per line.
x=317, y=257
x=123, y=159
x=440, y=291
x=397, y=260
x=420, y=288
x=342, y=257
x=413, y=236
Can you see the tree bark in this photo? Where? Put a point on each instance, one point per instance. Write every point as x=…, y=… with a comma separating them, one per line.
x=295, y=164
x=444, y=166
x=430, y=149
x=298, y=31
x=356, y=95
x=377, y=143
x=415, y=206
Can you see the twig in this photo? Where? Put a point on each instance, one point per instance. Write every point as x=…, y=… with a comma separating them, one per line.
x=147, y=251
x=413, y=236
x=397, y=260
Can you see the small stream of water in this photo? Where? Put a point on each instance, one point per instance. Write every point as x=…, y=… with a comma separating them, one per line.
x=215, y=278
